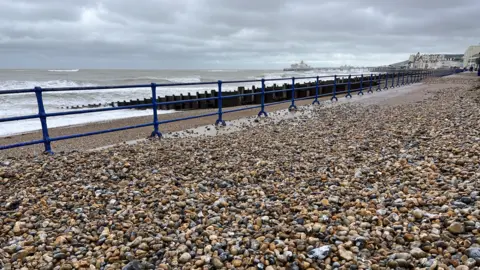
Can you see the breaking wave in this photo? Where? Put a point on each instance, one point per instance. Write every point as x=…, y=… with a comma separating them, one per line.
x=63, y=70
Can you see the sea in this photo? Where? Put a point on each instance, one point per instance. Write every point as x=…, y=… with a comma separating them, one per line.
x=25, y=104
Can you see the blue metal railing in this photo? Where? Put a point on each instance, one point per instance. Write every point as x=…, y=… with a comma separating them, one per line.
x=408, y=77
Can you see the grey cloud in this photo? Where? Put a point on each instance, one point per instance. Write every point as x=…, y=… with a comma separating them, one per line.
x=229, y=34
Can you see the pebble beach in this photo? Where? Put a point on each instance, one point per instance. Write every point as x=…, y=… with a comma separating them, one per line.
x=390, y=183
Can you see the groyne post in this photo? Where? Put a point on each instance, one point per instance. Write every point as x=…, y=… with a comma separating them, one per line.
x=393, y=80
x=43, y=120
x=155, y=132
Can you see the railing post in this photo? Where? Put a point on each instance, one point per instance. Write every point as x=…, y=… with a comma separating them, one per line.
x=349, y=87
x=293, y=106
x=371, y=81
x=398, y=79
x=361, y=85
x=386, y=81
x=403, y=78
x=408, y=82
x=220, y=105
x=393, y=79
x=155, y=132
x=262, y=100
x=43, y=120
x=379, y=82
x=334, y=88
x=315, y=101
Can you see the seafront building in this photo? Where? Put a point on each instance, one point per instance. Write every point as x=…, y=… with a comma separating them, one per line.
x=435, y=61
x=471, y=55
x=472, y=61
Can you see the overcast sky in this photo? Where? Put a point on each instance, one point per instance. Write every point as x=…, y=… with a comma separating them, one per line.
x=255, y=34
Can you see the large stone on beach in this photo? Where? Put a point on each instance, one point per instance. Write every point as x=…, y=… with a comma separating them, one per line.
x=474, y=253
x=133, y=265
x=217, y=263
x=456, y=228
x=17, y=228
x=418, y=253
x=345, y=254
x=417, y=213
x=319, y=253
x=185, y=257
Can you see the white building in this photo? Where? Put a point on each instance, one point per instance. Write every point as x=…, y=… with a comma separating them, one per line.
x=473, y=61
x=435, y=61
x=469, y=57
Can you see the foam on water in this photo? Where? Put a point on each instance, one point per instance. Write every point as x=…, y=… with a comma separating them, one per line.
x=222, y=70
x=193, y=79
x=63, y=70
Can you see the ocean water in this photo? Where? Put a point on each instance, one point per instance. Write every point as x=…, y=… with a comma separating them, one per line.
x=25, y=104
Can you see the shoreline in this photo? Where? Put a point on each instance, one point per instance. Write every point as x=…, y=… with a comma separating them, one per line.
x=95, y=141
x=102, y=140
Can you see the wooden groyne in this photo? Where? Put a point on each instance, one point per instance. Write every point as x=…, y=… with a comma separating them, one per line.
x=302, y=90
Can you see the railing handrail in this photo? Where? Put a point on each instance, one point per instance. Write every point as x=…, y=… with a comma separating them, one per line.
x=407, y=76
x=127, y=86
